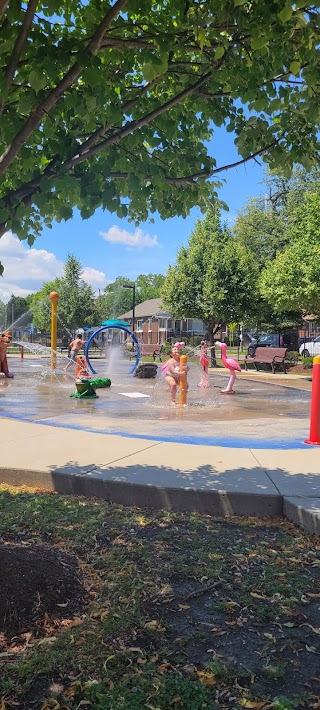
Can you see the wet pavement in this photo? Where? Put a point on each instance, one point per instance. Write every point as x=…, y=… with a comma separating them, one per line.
x=262, y=413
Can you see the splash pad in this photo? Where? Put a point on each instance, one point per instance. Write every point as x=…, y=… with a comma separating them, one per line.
x=261, y=415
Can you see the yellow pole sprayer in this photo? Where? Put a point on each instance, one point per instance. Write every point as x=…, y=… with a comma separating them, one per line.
x=183, y=380
x=54, y=297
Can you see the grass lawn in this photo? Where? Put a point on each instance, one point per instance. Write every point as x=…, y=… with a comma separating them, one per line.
x=115, y=608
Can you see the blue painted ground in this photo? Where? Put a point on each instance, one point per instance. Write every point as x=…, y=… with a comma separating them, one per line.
x=262, y=415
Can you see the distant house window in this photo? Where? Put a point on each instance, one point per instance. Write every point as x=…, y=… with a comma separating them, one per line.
x=139, y=324
x=162, y=324
x=169, y=324
x=197, y=326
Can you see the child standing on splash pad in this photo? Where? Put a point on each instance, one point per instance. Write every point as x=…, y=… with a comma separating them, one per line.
x=5, y=340
x=171, y=371
x=75, y=348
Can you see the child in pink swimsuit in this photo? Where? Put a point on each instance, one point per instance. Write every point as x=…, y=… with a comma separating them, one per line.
x=171, y=371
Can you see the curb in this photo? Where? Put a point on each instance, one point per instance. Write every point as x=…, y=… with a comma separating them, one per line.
x=180, y=500
x=304, y=512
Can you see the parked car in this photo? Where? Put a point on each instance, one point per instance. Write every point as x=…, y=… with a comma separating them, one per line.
x=310, y=349
x=265, y=340
x=287, y=339
x=248, y=338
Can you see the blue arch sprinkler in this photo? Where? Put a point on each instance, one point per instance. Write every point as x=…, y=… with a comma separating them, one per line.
x=108, y=325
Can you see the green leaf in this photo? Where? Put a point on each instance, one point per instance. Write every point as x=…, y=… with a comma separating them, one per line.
x=259, y=42
x=295, y=68
x=219, y=52
x=201, y=37
x=286, y=14
x=156, y=67
x=65, y=212
x=37, y=80
x=149, y=71
x=239, y=2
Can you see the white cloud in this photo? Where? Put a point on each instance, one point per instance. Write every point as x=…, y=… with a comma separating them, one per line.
x=138, y=240
x=96, y=279
x=26, y=269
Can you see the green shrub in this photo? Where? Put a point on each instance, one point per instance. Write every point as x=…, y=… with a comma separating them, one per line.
x=292, y=358
x=307, y=362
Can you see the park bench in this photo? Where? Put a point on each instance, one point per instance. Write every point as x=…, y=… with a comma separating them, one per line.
x=268, y=356
x=153, y=350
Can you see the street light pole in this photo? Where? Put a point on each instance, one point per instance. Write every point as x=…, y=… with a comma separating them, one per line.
x=133, y=306
x=133, y=287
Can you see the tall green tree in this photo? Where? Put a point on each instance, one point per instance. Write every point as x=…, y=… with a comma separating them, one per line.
x=76, y=306
x=41, y=307
x=148, y=286
x=263, y=231
x=117, y=299
x=214, y=277
x=76, y=303
x=112, y=105
x=3, y=313
x=292, y=279
x=17, y=311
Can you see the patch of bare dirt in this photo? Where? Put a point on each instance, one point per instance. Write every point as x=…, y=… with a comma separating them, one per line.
x=38, y=585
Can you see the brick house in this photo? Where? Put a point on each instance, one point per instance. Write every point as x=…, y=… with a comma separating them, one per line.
x=153, y=324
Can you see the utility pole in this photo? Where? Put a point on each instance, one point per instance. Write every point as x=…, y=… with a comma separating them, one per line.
x=133, y=287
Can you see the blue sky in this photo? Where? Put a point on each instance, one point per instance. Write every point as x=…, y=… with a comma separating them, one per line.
x=122, y=251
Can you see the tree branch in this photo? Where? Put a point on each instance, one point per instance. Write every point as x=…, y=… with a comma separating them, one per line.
x=219, y=95
x=128, y=43
x=36, y=116
x=245, y=160
x=26, y=192
x=16, y=52
x=3, y=5
x=132, y=126
x=33, y=186
x=125, y=107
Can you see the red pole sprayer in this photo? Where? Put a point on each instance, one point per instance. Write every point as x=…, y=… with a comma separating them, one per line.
x=315, y=404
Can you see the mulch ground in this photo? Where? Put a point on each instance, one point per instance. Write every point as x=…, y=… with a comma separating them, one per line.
x=300, y=370
x=39, y=585
x=113, y=608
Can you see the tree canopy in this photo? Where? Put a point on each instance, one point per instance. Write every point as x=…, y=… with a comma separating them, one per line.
x=263, y=231
x=3, y=311
x=76, y=304
x=292, y=279
x=113, y=105
x=214, y=277
x=17, y=307
x=116, y=299
x=148, y=286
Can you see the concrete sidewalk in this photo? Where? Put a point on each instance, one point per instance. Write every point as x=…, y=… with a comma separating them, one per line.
x=183, y=477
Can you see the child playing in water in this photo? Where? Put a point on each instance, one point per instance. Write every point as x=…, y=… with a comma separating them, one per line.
x=171, y=371
x=82, y=368
x=204, y=362
x=5, y=339
x=75, y=348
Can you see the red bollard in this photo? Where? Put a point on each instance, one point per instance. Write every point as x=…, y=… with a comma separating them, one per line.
x=315, y=404
x=21, y=352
